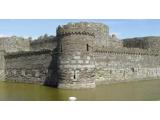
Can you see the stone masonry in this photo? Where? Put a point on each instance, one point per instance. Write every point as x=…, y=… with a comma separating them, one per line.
x=81, y=55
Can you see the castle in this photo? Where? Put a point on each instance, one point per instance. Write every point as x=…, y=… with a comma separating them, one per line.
x=81, y=55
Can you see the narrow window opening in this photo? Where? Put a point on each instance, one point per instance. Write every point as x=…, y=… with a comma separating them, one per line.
x=74, y=75
x=132, y=69
x=87, y=47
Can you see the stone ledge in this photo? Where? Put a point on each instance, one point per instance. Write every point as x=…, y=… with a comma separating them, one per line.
x=77, y=86
x=28, y=53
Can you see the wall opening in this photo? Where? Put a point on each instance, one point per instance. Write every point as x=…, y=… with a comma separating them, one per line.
x=132, y=69
x=74, y=76
x=87, y=47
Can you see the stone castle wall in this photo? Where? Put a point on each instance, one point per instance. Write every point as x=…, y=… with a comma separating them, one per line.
x=28, y=67
x=2, y=66
x=125, y=65
x=143, y=42
x=78, y=69
x=14, y=44
x=37, y=45
x=114, y=42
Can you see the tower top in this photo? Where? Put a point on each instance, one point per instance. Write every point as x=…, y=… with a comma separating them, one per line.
x=82, y=27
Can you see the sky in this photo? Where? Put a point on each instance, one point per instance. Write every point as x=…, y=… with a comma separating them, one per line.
x=123, y=28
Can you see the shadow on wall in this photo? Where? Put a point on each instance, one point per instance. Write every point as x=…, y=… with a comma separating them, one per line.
x=52, y=77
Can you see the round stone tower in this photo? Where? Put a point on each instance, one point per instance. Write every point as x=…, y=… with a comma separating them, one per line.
x=101, y=34
x=76, y=61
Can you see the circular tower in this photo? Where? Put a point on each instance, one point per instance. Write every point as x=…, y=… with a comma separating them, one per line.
x=101, y=34
x=76, y=61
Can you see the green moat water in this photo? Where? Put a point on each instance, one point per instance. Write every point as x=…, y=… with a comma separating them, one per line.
x=139, y=90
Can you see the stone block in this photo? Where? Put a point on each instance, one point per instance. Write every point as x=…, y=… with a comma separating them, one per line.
x=88, y=58
x=87, y=61
x=80, y=61
x=76, y=57
x=73, y=61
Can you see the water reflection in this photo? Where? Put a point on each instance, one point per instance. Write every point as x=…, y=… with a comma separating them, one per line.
x=139, y=90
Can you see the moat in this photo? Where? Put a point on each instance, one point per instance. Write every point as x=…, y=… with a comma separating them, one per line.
x=137, y=90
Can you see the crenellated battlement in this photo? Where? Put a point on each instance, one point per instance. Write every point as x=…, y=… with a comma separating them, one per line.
x=82, y=28
x=68, y=33
x=134, y=51
x=28, y=53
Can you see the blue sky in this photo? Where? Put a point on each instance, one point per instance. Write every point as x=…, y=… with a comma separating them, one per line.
x=36, y=27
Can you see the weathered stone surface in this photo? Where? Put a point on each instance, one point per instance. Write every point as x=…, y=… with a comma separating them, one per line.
x=37, y=45
x=14, y=44
x=28, y=68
